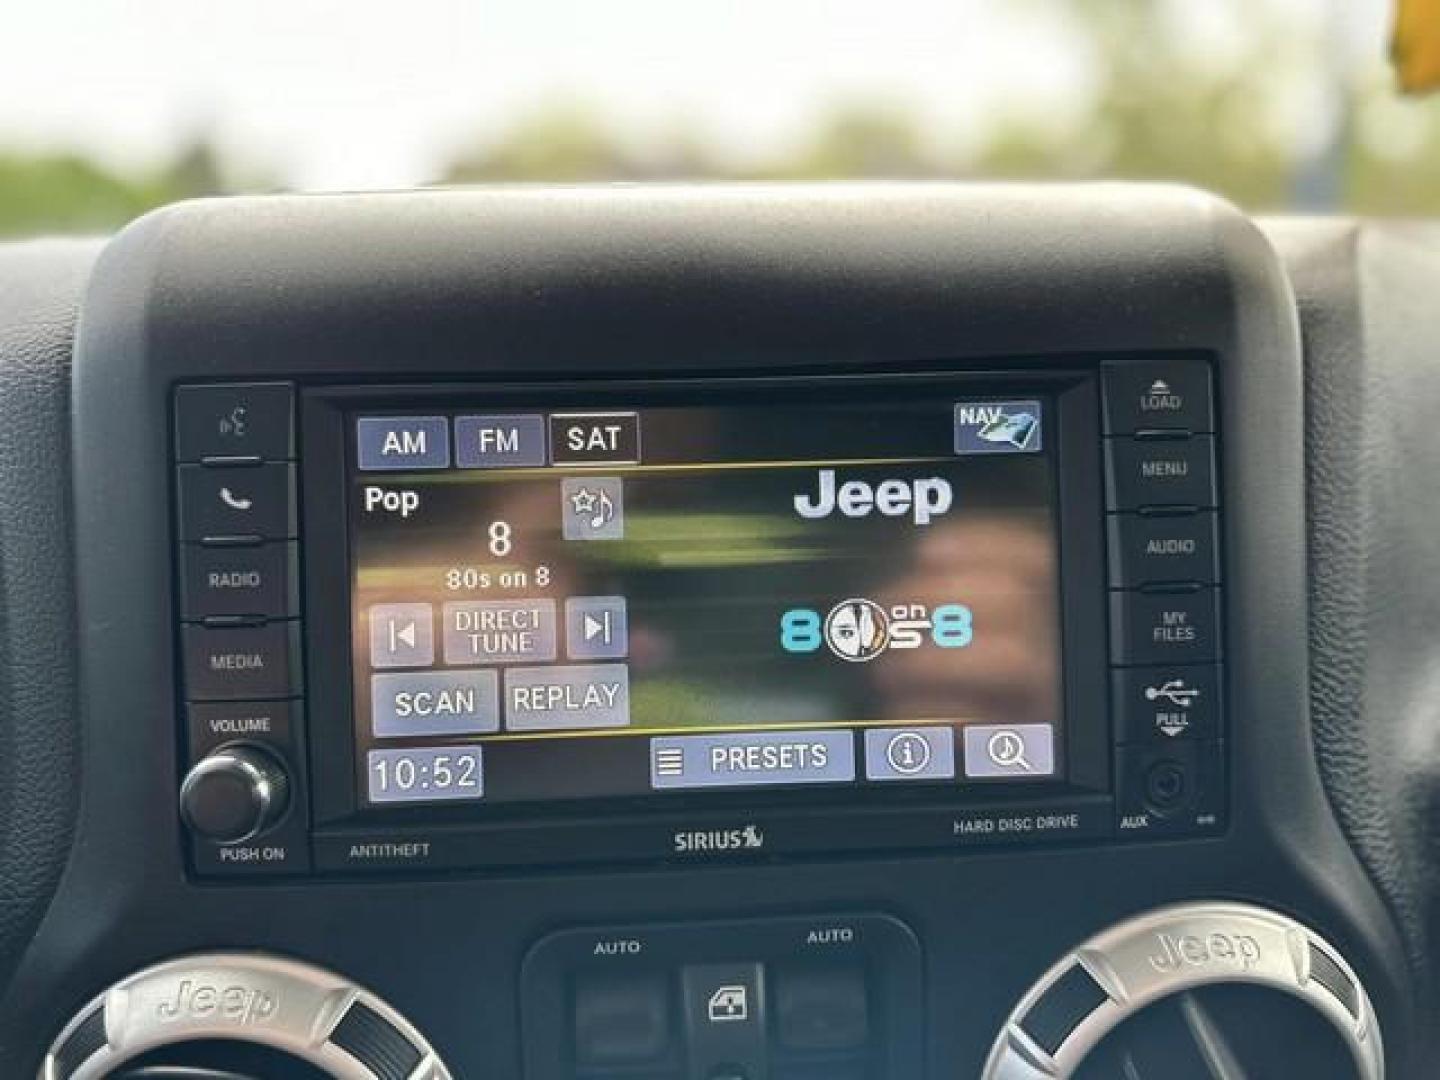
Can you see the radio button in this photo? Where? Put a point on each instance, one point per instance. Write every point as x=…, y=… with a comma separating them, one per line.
x=259, y=580
x=1146, y=549
x=1160, y=705
x=1160, y=628
x=241, y=420
x=1160, y=472
x=233, y=663
x=1158, y=395
x=252, y=502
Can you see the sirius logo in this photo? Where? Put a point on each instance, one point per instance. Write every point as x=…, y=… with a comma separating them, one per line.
x=749, y=838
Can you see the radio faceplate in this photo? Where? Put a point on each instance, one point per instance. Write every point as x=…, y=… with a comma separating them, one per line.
x=788, y=619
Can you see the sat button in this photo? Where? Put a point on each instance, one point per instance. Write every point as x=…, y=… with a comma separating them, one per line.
x=595, y=438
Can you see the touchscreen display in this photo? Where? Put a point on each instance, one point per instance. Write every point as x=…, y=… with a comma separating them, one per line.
x=782, y=592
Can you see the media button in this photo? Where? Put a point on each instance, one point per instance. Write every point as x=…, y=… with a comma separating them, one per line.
x=499, y=631
x=609, y=438
x=499, y=442
x=249, y=501
x=747, y=759
x=435, y=703
x=394, y=443
x=917, y=753
x=232, y=663
x=402, y=635
x=567, y=697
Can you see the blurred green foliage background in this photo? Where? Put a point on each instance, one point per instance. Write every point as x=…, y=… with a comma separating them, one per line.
x=1279, y=122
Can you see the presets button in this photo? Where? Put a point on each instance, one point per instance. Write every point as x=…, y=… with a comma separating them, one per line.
x=746, y=759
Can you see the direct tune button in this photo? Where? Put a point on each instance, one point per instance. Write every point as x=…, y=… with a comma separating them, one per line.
x=233, y=794
x=259, y=579
x=1160, y=472
x=1149, y=548
x=237, y=501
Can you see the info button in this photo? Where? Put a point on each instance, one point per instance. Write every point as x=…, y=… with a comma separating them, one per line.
x=731, y=759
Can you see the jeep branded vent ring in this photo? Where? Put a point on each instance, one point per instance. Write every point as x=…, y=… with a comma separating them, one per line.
x=304, y=1011
x=1118, y=973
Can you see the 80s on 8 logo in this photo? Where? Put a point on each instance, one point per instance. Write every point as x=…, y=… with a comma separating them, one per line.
x=858, y=630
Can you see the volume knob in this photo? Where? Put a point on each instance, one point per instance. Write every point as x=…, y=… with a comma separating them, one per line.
x=234, y=793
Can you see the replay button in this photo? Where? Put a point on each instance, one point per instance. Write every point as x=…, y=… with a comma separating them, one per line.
x=1009, y=750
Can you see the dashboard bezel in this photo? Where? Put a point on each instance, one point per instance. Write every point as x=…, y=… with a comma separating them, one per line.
x=463, y=285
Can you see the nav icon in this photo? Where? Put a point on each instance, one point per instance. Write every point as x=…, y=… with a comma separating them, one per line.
x=998, y=427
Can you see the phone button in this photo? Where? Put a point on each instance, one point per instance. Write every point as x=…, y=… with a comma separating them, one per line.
x=238, y=501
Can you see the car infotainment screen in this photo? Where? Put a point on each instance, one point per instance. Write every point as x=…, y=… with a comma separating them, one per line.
x=784, y=592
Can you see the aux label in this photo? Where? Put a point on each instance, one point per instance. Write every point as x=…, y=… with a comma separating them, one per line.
x=921, y=499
